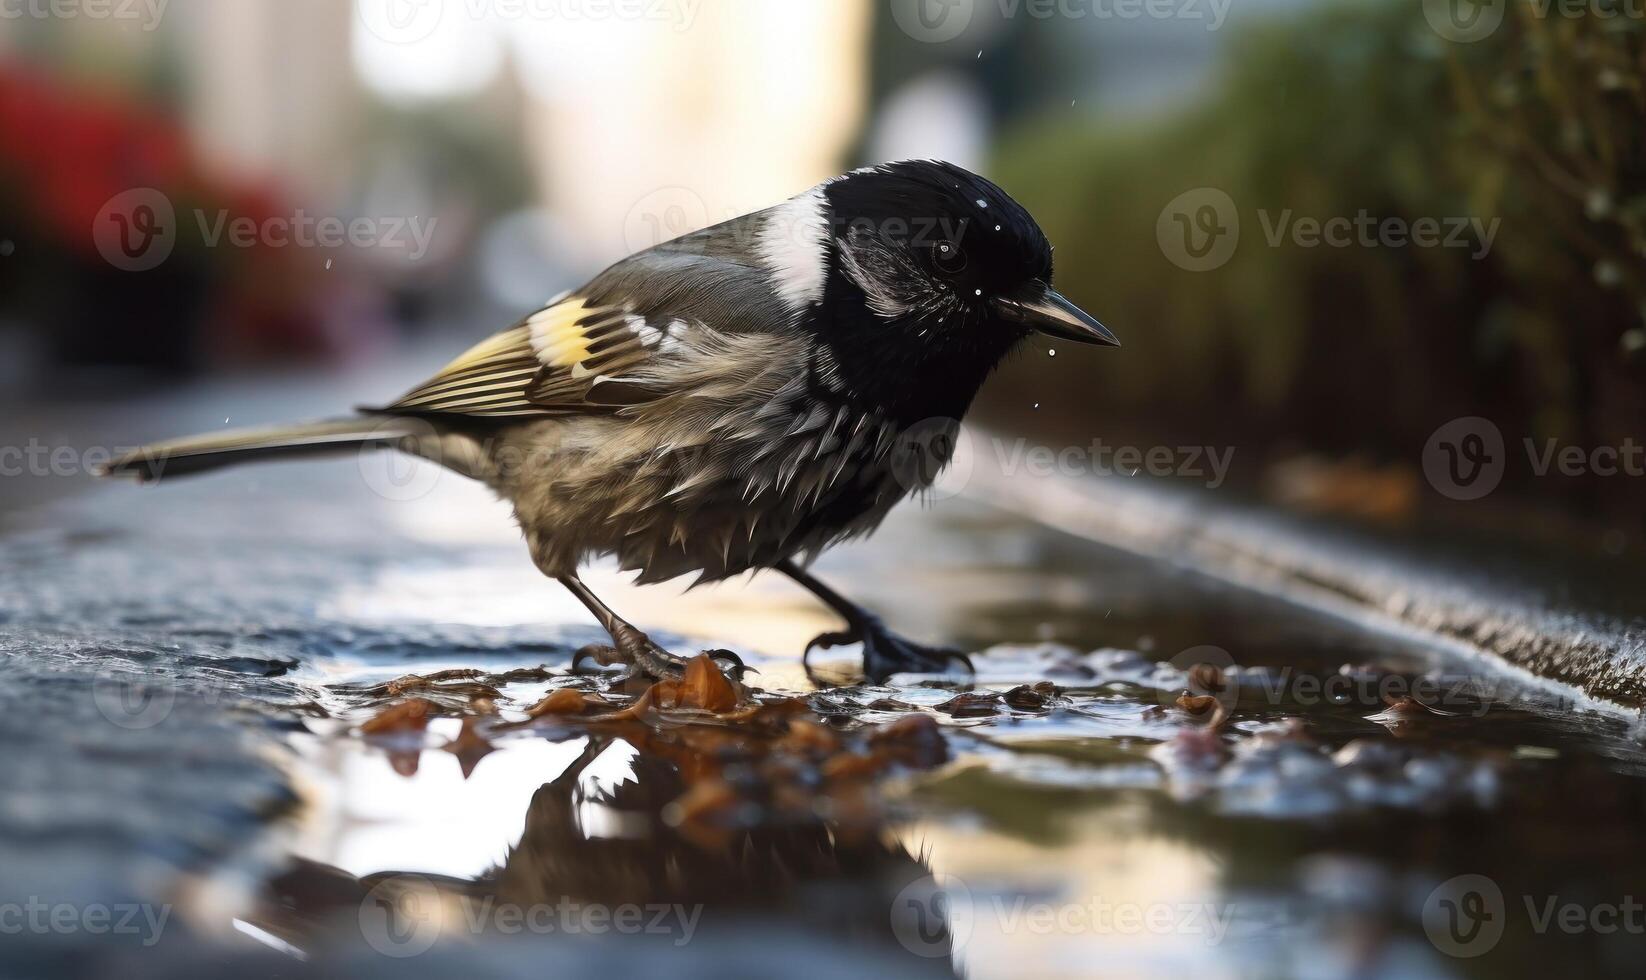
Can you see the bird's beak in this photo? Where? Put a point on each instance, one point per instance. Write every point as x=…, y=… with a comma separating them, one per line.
x=1040, y=307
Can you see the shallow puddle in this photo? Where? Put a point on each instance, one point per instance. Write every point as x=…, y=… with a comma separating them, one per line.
x=1150, y=775
x=1089, y=812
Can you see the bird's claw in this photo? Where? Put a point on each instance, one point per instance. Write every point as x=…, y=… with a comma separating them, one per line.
x=885, y=653
x=645, y=659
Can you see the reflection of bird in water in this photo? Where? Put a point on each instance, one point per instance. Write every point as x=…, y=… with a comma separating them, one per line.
x=587, y=843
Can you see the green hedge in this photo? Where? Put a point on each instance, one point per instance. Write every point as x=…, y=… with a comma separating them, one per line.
x=1364, y=349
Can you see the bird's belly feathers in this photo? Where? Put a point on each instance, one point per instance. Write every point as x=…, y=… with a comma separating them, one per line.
x=671, y=496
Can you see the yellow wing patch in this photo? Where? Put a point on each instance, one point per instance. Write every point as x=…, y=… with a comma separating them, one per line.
x=543, y=365
x=557, y=336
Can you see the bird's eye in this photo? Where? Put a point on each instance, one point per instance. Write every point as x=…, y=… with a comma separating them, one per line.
x=948, y=257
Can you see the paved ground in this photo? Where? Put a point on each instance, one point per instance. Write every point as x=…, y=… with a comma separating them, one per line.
x=157, y=644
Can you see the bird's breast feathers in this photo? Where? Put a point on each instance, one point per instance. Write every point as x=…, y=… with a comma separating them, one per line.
x=755, y=460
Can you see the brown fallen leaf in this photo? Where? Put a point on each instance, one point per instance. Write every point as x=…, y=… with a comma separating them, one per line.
x=407, y=716
x=469, y=746
x=889, y=704
x=1204, y=707
x=808, y=738
x=404, y=761
x=1026, y=698
x=851, y=766
x=971, y=705
x=704, y=687
x=568, y=701
x=914, y=740
x=1401, y=715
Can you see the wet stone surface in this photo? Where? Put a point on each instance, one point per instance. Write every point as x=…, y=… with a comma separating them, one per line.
x=324, y=730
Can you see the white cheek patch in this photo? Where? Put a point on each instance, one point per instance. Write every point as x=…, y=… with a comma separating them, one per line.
x=791, y=244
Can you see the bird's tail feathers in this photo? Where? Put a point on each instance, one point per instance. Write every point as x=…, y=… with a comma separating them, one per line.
x=197, y=454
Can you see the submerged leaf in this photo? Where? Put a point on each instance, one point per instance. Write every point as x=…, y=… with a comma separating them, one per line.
x=407, y=716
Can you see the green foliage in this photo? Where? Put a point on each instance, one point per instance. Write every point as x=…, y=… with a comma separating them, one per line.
x=1350, y=110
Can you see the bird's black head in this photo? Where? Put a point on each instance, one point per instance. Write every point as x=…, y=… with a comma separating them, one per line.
x=933, y=270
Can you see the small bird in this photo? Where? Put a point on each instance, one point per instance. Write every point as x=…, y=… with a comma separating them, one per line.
x=738, y=398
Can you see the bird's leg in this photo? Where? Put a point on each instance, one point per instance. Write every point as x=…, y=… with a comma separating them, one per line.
x=884, y=652
x=632, y=647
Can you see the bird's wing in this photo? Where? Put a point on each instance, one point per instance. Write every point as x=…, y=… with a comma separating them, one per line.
x=637, y=332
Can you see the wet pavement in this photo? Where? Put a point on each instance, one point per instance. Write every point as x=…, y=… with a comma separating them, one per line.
x=205, y=691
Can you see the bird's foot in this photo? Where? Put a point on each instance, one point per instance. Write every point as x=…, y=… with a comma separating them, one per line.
x=885, y=653
x=648, y=661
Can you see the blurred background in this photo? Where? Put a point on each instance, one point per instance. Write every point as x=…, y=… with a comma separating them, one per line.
x=230, y=188
x=1346, y=246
